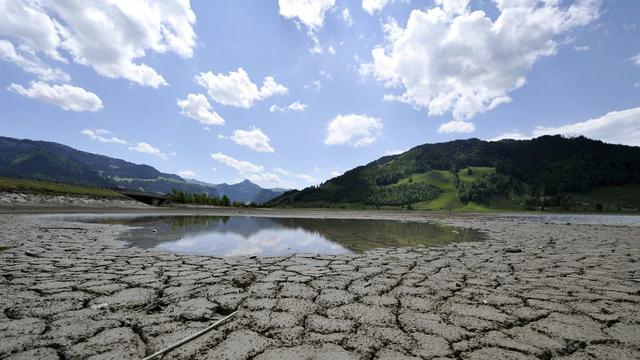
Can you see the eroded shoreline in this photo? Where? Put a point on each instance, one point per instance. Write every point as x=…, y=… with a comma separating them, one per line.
x=532, y=290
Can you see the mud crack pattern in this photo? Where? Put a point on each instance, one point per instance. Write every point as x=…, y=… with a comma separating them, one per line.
x=530, y=291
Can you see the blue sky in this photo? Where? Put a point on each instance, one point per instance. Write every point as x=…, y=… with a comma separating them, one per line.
x=290, y=93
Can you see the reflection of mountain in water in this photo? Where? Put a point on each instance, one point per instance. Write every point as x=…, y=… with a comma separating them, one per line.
x=237, y=235
x=362, y=234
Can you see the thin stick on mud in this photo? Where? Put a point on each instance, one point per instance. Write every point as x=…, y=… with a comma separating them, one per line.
x=187, y=339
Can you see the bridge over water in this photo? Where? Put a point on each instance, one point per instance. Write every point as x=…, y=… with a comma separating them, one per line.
x=149, y=198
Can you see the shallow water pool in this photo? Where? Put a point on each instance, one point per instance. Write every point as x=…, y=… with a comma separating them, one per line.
x=246, y=235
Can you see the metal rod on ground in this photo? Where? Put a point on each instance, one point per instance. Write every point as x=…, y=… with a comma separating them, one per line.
x=186, y=340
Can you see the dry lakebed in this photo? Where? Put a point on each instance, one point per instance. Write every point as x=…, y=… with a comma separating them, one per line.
x=531, y=288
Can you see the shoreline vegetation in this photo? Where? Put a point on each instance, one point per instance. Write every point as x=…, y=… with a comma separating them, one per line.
x=188, y=198
x=548, y=173
x=54, y=188
x=573, y=174
x=588, y=202
x=609, y=199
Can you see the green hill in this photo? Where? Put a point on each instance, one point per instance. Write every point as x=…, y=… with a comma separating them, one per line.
x=550, y=172
x=46, y=187
x=53, y=162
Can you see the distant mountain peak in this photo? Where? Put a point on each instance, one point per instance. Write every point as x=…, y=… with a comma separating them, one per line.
x=56, y=162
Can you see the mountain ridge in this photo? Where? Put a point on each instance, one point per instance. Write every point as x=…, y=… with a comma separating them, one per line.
x=46, y=160
x=477, y=174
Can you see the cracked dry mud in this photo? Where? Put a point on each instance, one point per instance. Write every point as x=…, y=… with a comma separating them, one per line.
x=530, y=291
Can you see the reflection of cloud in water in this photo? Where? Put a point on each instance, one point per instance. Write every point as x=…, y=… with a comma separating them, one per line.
x=211, y=235
x=263, y=242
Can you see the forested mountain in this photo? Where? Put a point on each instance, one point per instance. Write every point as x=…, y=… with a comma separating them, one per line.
x=549, y=170
x=244, y=191
x=51, y=161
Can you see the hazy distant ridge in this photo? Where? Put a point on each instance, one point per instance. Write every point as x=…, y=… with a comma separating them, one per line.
x=56, y=162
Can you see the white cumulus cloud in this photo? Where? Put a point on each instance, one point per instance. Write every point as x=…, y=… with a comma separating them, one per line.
x=237, y=89
x=242, y=166
x=345, y=14
x=251, y=171
x=65, y=96
x=254, y=139
x=145, y=148
x=456, y=7
x=197, y=107
x=267, y=180
x=618, y=127
x=449, y=59
x=308, y=12
x=296, y=106
x=353, y=129
x=371, y=6
x=28, y=22
x=104, y=136
x=395, y=152
x=188, y=174
x=109, y=36
x=455, y=126
x=30, y=63
x=307, y=178
x=513, y=135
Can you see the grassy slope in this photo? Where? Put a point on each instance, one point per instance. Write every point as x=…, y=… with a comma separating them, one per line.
x=476, y=173
x=37, y=186
x=445, y=180
x=627, y=196
x=613, y=198
x=622, y=198
x=442, y=179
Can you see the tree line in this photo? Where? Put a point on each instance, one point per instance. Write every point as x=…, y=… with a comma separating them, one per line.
x=541, y=168
x=403, y=194
x=185, y=197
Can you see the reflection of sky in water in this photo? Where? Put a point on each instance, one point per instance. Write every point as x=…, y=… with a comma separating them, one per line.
x=263, y=242
x=240, y=235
